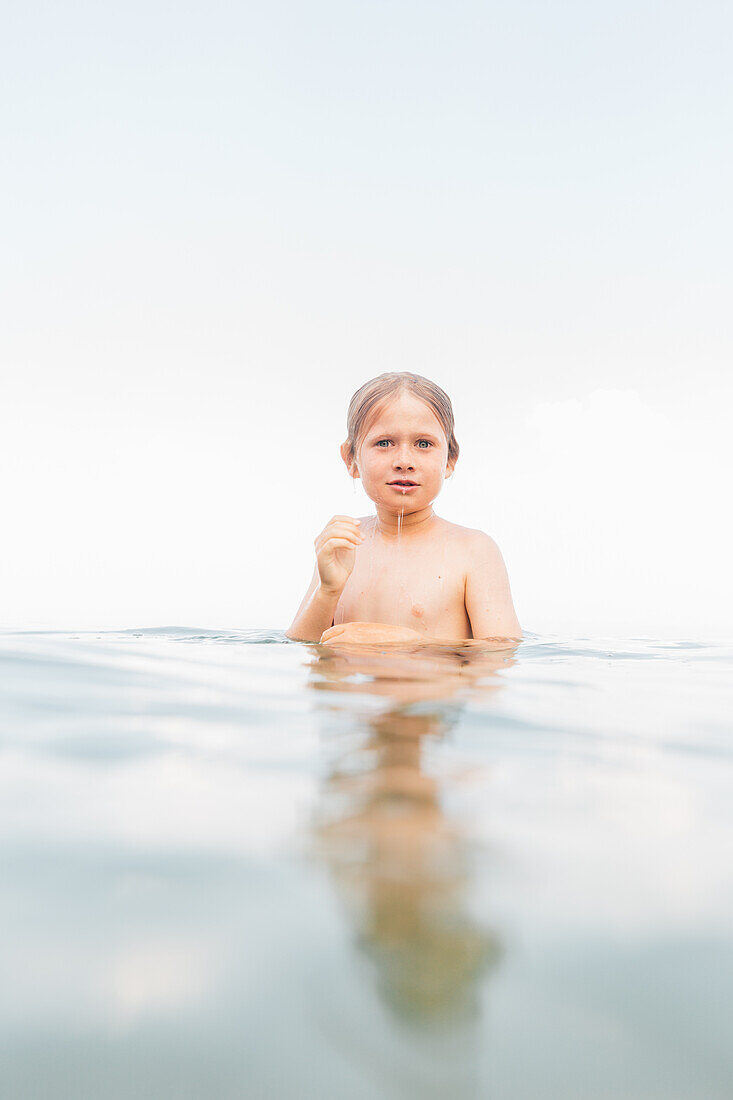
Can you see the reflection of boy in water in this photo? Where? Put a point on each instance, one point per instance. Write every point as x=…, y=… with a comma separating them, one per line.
x=401, y=862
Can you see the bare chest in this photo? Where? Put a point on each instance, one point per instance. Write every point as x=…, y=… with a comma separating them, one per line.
x=422, y=587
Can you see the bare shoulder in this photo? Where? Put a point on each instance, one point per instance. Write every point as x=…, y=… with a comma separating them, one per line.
x=481, y=542
x=482, y=550
x=473, y=540
x=454, y=530
x=470, y=547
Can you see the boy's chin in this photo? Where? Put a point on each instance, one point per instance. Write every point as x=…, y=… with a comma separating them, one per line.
x=402, y=505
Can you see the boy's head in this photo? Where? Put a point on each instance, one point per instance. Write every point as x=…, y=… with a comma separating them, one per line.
x=400, y=425
x=374, y=395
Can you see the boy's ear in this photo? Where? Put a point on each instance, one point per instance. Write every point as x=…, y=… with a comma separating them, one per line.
x=349, y=462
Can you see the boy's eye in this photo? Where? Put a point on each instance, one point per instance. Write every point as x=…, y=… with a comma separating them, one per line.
x=425, y=441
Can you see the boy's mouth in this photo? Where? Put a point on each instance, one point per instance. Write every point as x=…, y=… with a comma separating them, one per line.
x=403, y=484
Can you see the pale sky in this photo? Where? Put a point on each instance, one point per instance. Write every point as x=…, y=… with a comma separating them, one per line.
x=220, y=220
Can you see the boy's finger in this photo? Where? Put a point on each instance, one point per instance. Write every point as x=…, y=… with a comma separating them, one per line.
x=338, y=532
x=332, y=632
x=344, y=525
x=350, y=544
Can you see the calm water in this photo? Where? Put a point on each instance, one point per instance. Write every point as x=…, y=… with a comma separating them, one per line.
x=239, y=867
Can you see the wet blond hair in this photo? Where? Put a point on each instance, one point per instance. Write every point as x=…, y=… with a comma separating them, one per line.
x=370, y=397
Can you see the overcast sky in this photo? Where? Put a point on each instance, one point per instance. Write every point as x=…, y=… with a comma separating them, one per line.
x=221, y=219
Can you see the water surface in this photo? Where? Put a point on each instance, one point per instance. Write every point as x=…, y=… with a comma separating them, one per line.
x=237, y=866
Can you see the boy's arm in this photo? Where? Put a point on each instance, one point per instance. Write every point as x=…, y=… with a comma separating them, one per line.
x=315, y=613
x=488, y=596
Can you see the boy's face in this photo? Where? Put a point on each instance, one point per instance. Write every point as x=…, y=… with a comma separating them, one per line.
x=404, y=441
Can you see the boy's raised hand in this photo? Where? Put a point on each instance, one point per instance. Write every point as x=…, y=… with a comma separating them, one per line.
x=336, y=551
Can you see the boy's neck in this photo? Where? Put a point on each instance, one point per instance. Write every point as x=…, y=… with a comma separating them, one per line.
x=390, y=526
